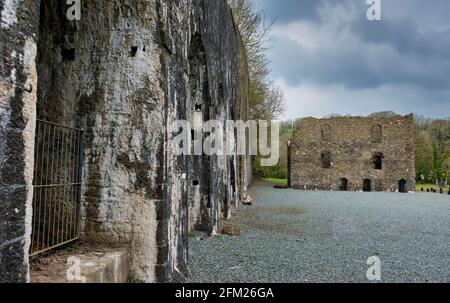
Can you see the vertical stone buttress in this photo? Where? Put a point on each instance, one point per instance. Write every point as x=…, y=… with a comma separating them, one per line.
x=19, y=23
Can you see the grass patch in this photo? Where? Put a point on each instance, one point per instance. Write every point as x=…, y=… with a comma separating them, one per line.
x=429, y=186
x=276, y=181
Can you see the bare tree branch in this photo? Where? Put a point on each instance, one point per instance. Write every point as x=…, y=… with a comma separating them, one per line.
x=266, y=100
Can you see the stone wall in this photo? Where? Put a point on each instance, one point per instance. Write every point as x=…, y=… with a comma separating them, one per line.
x=124, y=73
x=19, y=23
x=327, y=153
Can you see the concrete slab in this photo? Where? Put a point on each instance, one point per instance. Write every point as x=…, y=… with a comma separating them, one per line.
x=98, y=266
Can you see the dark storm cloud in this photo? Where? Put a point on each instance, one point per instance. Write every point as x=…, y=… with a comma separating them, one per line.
x=409, y=47
x=330, y=59
x=295, y=64
x=356, y=67
x=286, y=11
x=406, y=36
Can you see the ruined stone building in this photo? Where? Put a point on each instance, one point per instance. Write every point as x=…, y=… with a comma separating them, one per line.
x=353, y=154
x=85, y=110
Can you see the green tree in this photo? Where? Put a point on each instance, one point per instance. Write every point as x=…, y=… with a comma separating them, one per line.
x=433, y=135
x=440, y=133
x=279, y=171
x=265, y=98
x=424, y=156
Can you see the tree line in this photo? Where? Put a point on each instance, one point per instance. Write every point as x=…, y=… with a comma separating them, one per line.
x=432, y=149
x=266, y=99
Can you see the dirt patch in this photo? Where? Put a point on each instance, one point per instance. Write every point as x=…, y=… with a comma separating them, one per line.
x=257, y=218
x=51, y=267
x=231, y=230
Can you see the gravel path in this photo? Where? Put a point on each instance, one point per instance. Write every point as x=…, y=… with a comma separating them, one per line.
x=301, y=236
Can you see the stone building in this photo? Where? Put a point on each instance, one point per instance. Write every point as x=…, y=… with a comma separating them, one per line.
x=353, y=154
x=85, y=110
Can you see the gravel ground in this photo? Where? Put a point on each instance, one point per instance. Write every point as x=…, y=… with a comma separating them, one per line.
x=302, y=236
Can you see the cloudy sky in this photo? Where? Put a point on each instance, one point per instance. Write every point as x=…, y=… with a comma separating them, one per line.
x=330, y=59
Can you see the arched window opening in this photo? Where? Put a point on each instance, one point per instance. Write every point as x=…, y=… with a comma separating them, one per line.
x=326, y=159
x=377, y=161
x=198, y=77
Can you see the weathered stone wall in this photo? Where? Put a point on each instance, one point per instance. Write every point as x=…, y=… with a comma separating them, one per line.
x=124, y=73
x=118, y=99
x=353, y=144
x=19, y=23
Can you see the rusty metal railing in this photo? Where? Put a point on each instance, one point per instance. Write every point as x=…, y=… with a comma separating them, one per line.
x=57, y=186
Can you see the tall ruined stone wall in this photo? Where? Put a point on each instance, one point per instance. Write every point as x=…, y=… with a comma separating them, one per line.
x=89, y=78
x=124, y=73
x=352, y=145
x=19, y=21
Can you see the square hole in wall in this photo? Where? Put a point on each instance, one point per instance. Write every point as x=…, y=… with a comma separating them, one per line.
x=68, y=54
x=133, y=51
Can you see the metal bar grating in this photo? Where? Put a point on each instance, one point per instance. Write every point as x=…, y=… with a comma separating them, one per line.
x=57, y=186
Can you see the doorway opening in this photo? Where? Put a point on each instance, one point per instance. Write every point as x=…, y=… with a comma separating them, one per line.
x=57, y=186
x=367, y=185
x=344, y=184
x=402, y=186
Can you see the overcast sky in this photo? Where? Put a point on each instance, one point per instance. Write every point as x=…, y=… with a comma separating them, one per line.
x=330, y=59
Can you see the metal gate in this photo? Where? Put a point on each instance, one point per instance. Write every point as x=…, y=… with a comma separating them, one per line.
x=57, y=186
